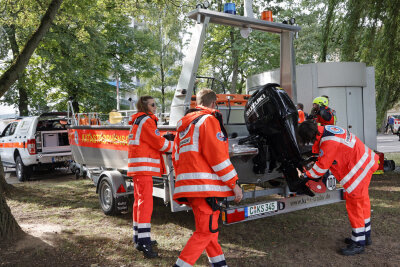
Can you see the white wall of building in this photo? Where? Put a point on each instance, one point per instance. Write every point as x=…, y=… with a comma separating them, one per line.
x=349, y=85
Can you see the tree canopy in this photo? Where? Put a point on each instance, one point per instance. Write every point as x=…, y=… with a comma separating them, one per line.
x=92, y=42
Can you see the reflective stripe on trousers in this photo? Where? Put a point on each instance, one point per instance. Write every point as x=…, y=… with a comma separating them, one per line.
x=142, y=207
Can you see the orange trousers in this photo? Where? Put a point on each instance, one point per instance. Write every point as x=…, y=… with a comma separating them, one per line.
x=142, y=208
x=202, y=238
x=359, y=211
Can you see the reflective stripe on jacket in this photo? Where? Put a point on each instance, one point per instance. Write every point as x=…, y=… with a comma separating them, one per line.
x=201, y=157
x=349, y=159
x=145, y=146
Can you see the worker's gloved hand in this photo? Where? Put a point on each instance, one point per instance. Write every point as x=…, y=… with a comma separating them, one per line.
x=309, y=165
x=169, y=136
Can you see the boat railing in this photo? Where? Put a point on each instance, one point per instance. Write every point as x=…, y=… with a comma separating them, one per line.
x=120, y=117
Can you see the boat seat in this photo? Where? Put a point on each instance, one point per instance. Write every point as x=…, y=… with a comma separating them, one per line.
x=115, y=117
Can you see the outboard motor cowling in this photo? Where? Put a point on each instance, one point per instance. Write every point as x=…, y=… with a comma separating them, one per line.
x=271, y=118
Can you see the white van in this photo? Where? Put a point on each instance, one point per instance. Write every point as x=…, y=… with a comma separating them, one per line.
x=39, y=141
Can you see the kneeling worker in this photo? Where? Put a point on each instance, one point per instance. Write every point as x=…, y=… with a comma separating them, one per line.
x=352, y=163
x=203, y=172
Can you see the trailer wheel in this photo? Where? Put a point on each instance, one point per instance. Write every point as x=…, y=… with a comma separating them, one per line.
x=23, y=172
x=106, y=198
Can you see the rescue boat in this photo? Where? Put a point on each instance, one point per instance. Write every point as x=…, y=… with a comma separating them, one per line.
x=102, y=143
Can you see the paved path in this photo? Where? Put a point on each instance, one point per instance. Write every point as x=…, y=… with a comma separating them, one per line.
x=388, y=143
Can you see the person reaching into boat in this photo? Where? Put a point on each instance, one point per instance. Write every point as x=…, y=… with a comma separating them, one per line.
x=145, y=148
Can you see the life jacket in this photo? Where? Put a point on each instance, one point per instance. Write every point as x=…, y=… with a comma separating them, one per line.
x=146, y=146
x=302, y=117
x=201, y=157
x=346, y=156
x=325, y=116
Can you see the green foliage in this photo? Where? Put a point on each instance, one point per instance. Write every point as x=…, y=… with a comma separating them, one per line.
x=166, y=28
x=368, y=31
x=92, y=42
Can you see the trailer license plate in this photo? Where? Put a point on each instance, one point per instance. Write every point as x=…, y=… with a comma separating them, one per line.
x=261, y=208
x=59, y=159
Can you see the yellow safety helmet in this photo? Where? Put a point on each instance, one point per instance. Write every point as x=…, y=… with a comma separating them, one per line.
x=320, y=100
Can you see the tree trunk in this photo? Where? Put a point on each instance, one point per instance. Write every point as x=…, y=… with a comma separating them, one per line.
x=4, y=186
x=75, y=105
x=235, y=63
x=9, y=228
x=326, y=31
x=23, y=96
x=11, y=75
x=162, y=74
x=350, y=46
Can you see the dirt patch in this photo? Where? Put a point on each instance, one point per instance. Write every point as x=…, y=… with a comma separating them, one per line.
x=66, y=227
x=47, y=233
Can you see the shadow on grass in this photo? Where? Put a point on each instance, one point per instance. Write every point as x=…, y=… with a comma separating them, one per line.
x=305, y=237
x=33, y=251
x=73, y=194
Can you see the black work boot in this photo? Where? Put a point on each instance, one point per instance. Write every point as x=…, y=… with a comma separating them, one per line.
x=147, y=251
x=368, y=241
x=153, y=243
x=353, y=249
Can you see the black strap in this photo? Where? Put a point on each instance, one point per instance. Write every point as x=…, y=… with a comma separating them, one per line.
x=213, y=203
x=210, y=225
x=197, y=119
x=218, y=116
x=139, y=119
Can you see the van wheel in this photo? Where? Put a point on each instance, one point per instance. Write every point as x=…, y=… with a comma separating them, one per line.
x=23, y=172
x=106, y=198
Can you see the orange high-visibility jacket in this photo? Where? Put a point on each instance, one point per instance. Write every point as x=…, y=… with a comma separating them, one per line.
x=201, y=157
x=302, y=117
x=349, y=159
x=146, y=146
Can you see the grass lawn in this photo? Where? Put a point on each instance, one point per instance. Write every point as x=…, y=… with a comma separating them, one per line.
x=66, y=227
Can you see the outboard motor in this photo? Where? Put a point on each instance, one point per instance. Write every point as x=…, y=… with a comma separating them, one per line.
x=271, y=119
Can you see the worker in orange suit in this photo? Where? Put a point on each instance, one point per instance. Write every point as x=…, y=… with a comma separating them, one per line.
x=203, y=172
x=144, y=161
x=302, y=116
x=352, y=163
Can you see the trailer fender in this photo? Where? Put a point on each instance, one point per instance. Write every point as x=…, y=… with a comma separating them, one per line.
x=112, y=189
